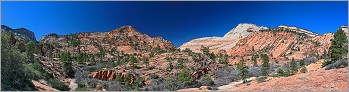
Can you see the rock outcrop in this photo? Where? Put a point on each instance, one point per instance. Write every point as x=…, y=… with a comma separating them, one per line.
x=282, y=43
x=299, y=30
x=226, y=42
x=110, y=75
x=20, y=33
x=122, y=40
x=242, y=30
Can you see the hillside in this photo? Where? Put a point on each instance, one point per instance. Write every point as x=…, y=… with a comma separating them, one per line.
x=127, y=60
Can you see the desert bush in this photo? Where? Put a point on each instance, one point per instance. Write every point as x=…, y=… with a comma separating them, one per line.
x=265, y=65
x=224, y=76
x=262, y=78
x=280, y=72
x=67, y=64
x=154, y=76
x=82, y=87
x=206, y=81
x=254, y=71
x=293, y=66
x=114, y=86
x=303, y=70
x=185, y=77
x=91, y=68
x=58, y=85
x=164, y=85
x=338, y=64
x=276, y=61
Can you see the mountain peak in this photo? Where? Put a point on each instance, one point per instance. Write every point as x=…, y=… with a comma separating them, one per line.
x=20, y=32
x=242, y=30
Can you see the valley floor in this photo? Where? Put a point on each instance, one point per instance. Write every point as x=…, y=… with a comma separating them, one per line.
x=317, y=79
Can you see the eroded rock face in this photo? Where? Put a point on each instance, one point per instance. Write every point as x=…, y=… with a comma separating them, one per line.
x=242, y=30
x=226, y=42
x=299, y=30
x=122, y=40
x=247, y=39
x=20, y=33
x=280, y=44
x=110, y=75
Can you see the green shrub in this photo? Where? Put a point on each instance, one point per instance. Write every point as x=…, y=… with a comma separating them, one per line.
x=276, y=61
x=293, y=66
x=262, y=78
x=67, y=64
x=265, y=65
x=13, y=76
x=154, y=76
x=185, y=77
x=206, y=81
x=58, y=85
x=302, y=63
x=82, y=87
x=304, y=69
x=280, y=72
x=337, y=64
x=91, y=68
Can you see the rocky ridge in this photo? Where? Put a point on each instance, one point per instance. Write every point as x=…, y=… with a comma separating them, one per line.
x=20, y=33
x=226, y=42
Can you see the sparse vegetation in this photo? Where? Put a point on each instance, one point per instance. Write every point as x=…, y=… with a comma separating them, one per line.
x=185, y=78
x=338, y=47
x=338, y=64
x=303, y=70
x=293, y=66
x=67, y=64
x=243, y=70
x=262, y=78
x=13, y=76
x=58, y=85
x=265, y=65
x=30, y=50
x=206, y=81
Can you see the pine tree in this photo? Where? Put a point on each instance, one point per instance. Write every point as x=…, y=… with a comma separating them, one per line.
x=243, y=70
x=254, y=58
x=205, y=50
x=13, y=76
x=30, y=50
x=293, y=66
x=67, y=64
x=265, y=65
x=301, y=63
x=338, y=46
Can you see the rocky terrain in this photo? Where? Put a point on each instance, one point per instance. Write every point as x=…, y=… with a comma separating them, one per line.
x=223, y=43
x=21, y=33
x=124, y=59
x=317, y=79
x=283, y=42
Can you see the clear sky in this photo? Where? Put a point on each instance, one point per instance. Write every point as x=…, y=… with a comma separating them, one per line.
x=178, y=22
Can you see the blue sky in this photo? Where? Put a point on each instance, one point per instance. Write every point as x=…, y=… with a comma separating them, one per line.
x=178, y=22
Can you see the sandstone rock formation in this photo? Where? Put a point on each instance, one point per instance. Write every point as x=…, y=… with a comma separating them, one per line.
x=242, y=30
x=226, y=42
x=282, y=43
x=42, y=87
x=110, y=75
x=122, y=40
x=299, y=30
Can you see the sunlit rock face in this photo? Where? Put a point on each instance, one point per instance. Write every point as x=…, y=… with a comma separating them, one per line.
x=242, y=30
x=226, y=42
